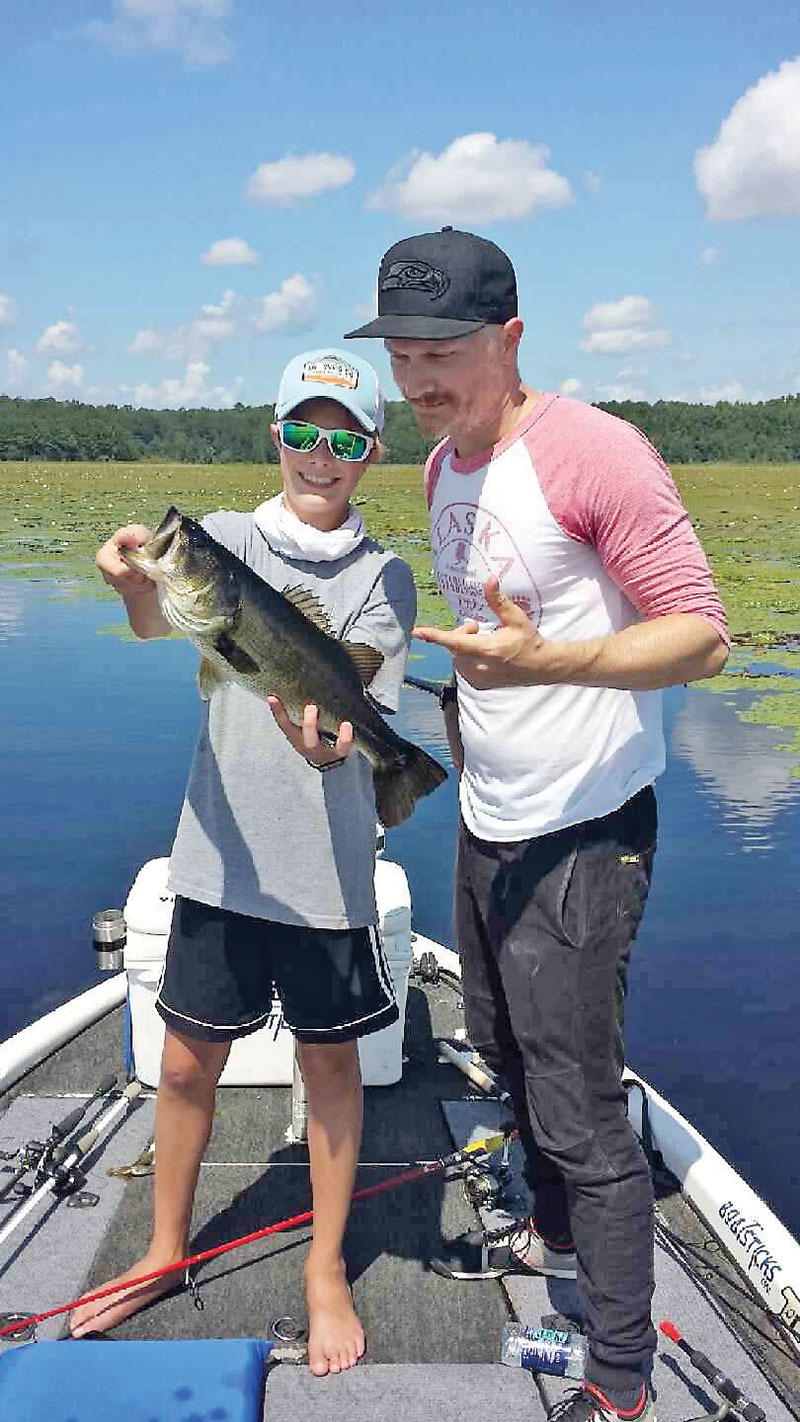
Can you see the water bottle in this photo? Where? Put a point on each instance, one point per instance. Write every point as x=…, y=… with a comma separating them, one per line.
x=544, y=1350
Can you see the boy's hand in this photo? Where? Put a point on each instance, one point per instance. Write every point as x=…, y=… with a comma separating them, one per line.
x=305, y=738
x=118, y=574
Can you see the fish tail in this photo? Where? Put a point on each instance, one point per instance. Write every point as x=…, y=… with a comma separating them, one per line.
x=399, y=785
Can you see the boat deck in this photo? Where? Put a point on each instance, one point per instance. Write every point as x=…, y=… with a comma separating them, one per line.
x=422, y=1330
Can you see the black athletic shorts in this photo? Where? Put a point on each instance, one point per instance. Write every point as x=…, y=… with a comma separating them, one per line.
x=223, y=969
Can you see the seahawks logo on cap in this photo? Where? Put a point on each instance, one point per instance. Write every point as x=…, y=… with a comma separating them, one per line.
x=417, y=276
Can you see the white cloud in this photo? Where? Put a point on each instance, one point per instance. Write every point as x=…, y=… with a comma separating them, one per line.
x=731, y=390
x=217, y=323
x=478, y=178
x=230, y=252
x=289, y=180
x=16, y=364
x=62, y=336
x=625, y=340
x=753, y=168
x=189, y=391
x=192, y=29
x=61, y=376
x=708, y=256
x=293, y=307
x=610, y=315
x=619, y=327
x=620, y=391
x=591, y=181
x=8, y=311
x=192, y=340
x=144, y=343
x=571, y=386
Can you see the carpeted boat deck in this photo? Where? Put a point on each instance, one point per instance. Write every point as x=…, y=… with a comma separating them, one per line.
x=252, y=1177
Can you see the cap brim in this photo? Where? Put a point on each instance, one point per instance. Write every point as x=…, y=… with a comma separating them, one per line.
x=420, y=328
x=339, y=397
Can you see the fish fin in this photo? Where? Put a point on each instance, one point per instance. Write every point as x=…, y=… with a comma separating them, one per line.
x=366, y=660
x=234, y=655
x=397, y=788
x=311, y=607
x=208, y=678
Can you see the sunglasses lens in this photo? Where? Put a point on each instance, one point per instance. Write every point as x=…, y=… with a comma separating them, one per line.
x=347, y=445
x=299, y=436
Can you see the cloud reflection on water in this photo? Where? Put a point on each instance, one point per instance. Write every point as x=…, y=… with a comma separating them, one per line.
x=736, y=762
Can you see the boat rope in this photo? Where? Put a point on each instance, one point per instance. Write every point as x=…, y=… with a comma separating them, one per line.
x=488, y=1146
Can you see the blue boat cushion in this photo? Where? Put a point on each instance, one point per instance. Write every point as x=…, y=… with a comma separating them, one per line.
x=192, y=1380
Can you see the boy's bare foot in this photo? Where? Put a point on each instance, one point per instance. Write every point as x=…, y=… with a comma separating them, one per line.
x=335, y=1335
x=102, y=1314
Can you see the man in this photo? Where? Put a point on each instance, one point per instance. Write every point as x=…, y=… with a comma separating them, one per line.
x=564, y=550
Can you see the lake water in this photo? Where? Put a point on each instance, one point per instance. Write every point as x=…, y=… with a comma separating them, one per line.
x=96, y=736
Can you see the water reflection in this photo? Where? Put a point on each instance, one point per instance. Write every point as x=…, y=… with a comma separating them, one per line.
x=737, y=763
x=11, y=611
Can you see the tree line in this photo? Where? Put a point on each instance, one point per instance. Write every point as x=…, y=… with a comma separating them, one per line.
x=68, y=429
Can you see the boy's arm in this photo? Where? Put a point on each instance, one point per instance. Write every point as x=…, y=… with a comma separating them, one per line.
x=139, y=592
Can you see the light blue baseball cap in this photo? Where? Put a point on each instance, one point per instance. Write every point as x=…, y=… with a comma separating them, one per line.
x=332, y=374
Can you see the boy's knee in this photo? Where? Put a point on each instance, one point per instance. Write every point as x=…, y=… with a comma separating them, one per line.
x=191, y=1067
x=329, y=1065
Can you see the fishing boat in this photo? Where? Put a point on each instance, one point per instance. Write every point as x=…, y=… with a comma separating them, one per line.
x=437, y=1158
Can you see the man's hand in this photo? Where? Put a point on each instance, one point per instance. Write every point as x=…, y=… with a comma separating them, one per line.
x=306, y=739
x=513, y=654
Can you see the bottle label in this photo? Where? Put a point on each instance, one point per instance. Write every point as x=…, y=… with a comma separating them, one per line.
x=546, y=1352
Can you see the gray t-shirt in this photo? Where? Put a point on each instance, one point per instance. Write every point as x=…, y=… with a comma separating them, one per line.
x=261, y=832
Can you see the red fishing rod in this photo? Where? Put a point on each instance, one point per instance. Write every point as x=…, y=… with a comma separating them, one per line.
x=484, y=1147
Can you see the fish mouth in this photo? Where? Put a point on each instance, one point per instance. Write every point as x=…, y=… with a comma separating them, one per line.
x=147, y=557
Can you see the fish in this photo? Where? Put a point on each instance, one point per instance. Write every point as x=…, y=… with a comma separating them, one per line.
x=280, y=644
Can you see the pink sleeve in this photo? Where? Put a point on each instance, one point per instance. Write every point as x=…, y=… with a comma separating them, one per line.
x=606, y=485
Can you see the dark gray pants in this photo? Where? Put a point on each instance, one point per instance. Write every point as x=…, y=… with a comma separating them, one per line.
x=544, y=929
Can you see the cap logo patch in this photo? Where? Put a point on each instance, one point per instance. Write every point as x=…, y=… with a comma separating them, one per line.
x=331, y=371
x=419, y=276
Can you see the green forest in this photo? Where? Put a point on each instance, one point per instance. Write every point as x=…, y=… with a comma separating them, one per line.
x=67, y=429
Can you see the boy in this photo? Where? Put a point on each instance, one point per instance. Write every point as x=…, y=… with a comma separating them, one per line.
x=273, y=862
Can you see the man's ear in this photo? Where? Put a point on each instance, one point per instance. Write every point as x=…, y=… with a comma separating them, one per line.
x=512, y=332
x=276, y=439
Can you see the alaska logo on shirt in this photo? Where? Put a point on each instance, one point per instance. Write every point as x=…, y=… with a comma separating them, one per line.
x=416, y=276
x=469, y=545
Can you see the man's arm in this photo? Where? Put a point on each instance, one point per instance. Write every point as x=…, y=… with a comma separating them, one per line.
x=646, y=656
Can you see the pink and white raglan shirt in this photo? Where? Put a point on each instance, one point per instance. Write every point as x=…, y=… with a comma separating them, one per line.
x=579, y=518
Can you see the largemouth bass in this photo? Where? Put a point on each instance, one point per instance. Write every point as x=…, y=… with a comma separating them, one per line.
x=279, y=644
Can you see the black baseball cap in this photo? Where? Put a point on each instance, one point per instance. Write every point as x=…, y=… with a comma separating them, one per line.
x=440, y=285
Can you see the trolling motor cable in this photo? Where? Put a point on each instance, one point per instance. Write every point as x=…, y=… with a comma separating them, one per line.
x=421, y=1171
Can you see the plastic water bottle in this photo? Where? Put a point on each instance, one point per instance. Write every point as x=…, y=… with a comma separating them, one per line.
x=544, y=1350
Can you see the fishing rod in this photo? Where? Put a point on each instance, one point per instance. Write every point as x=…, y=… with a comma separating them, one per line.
x=36, y=1155
x=435, y=688
x=734, y=1397
x=425, y=1169
x=62, y=1175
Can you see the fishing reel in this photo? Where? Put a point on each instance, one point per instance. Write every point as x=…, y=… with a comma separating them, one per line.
x=486, y=1181
x=67, y=1184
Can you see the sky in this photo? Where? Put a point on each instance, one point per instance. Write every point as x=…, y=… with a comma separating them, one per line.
x=195, y=190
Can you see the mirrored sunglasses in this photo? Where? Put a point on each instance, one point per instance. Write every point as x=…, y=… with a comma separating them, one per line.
x=343, y=444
